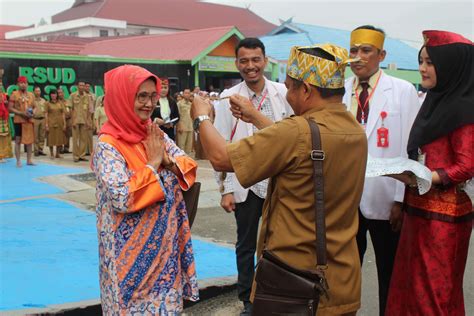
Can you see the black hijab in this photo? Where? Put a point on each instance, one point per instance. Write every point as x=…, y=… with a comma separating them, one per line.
x=450, y=104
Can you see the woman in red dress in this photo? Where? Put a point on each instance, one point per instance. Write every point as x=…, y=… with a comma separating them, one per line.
x=431, y=258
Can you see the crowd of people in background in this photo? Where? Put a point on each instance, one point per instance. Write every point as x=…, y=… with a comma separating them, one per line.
x=56, y=126
x=51, y=121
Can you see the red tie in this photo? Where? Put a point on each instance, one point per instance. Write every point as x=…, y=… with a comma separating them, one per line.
x=362, y=98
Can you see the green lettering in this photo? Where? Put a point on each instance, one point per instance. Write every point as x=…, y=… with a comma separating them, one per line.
x=66, y=91
x=12, y=88
x=73, y=89
x=54, y=75
x=69, y=76
x=28, y=73
x=40, y=75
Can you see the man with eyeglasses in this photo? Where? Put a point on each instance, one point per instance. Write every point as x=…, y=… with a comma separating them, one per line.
x=81, y=121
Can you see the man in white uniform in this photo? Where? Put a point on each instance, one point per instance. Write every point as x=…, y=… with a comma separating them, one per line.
x=270, y=98
x=386, y=107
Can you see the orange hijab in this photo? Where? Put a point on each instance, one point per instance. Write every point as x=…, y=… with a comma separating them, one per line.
x=122, y=84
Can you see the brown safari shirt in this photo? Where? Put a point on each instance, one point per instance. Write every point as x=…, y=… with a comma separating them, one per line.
x=282, y=152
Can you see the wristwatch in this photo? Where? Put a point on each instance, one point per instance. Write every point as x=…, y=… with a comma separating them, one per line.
x=198, y=120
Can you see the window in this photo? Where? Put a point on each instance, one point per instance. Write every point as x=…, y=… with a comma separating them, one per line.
x=103, y=33
x=73, y=34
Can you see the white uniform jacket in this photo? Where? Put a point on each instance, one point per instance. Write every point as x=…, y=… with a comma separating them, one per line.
x=224, y=123
x=398, y=98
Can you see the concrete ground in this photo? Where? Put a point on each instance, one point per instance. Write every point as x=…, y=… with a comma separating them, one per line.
x=214, y=224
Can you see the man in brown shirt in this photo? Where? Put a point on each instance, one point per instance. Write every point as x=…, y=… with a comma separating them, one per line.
x=39, y=121
x=68, y=113
x=90, y=131
x=79, y=102
x=281, y=151
x=22, y=105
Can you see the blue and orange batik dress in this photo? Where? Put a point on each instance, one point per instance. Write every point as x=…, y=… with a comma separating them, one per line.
x=146, y=258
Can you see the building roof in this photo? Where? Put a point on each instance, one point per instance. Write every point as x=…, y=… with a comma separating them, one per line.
x=67, y=39
x=278, y=45
x=34, y=47
x=181, y=46
x=9, y=28
x=172, y=14
x=185, y=46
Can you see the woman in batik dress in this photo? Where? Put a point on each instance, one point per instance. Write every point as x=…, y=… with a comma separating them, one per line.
x=147, y=265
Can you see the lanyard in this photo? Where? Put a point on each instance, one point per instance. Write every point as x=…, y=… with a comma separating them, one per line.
x=362, y=108
x=237, y=122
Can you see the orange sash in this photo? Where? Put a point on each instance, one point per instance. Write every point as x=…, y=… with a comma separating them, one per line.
x=144, y=184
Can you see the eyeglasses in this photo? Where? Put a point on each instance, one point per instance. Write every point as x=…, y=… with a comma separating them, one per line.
x=143, y=97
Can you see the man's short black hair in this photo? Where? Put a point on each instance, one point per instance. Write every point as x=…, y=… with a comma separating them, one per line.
x=34, y=88
x=370, y=27
x=325, y=92
x=250, y=42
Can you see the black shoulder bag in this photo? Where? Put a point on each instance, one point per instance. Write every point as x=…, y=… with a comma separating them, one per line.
x=191, y=199
x=286, y=290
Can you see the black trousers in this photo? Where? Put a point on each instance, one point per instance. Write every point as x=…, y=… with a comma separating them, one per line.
x=385, y=243
x=247, y=215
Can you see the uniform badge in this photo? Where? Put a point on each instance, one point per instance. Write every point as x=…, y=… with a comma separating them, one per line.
x=382, y=132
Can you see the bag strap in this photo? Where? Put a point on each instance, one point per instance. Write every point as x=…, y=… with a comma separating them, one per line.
x=317, y=155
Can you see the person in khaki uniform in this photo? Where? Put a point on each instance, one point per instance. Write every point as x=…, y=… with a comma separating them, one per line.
x=184, y=128
x=55, y=123
x=90, y=131
x=99, y=114
x=281, y=151
x=39, y=122
x=68, y=112
x=22, y=105
x=81, y=122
